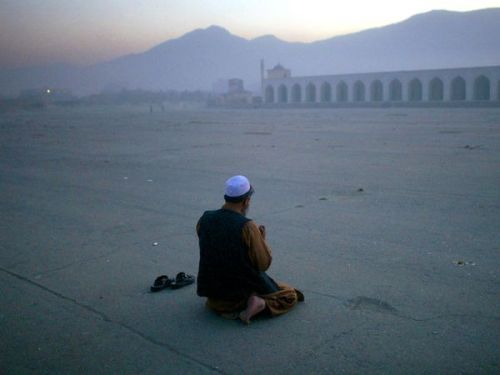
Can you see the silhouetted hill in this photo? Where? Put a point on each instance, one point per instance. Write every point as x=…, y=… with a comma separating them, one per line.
x=437, y=39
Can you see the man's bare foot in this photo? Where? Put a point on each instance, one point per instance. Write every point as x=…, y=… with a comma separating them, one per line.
x=254, y=306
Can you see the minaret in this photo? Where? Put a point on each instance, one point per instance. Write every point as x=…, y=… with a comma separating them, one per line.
x=262, y=77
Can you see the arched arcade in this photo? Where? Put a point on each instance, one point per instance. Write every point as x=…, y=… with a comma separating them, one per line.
x=480, y=85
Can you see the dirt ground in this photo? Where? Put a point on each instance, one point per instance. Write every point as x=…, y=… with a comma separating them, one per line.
x=387, y=219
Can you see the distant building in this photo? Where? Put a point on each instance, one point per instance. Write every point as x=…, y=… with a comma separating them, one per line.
x=235, y=86
x=278, y=72
x=231, y=93
x=476, y=86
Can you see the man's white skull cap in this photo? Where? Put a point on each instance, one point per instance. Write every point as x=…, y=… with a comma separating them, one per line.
x=237, y=186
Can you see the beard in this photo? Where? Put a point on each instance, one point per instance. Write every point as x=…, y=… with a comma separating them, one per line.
x=245, y=210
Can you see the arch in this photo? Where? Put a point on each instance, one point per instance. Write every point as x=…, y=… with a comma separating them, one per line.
x=415, y=90
x=311, y=93
x=395, y=90
x=296, y=93
x=457, y=88
x=326, y=92
x=342, y=92
x=359, y=91
x=269, y=95
x=282, y=94
x=376, y=91
x=481, y=88
x=436, y=89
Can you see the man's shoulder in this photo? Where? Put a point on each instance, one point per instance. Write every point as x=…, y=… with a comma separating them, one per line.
x=209, y=212
x=251, y=224
x=207, y=215
x=215, y=212
x=225, y=215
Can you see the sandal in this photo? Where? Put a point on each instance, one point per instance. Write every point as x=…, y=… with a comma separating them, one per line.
x=182, y=280
x=160, y=283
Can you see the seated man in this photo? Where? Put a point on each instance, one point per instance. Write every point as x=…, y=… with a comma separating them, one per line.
x=234, y=256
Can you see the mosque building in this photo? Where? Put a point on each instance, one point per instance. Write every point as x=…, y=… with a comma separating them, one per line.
x=475, y=86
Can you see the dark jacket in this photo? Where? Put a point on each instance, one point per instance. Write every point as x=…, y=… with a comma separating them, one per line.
x=225, y=270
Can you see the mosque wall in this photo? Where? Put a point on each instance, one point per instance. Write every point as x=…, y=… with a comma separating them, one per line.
x=460, y=86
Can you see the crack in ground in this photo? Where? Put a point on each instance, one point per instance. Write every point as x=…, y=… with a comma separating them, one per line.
x=375, y=305
x=107, y=319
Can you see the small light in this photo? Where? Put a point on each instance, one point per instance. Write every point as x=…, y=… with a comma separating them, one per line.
x=48, y=91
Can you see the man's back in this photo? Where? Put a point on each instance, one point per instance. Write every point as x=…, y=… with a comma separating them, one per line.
x=225, y=269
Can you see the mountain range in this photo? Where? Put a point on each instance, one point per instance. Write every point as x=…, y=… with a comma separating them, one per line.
x=194, y=61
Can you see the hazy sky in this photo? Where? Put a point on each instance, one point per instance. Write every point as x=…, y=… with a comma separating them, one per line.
x=34, y=32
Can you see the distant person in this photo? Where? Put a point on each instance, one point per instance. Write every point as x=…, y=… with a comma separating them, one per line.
x=234, y=256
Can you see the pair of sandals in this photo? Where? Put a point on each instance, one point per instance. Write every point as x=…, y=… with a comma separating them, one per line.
x=164, y=281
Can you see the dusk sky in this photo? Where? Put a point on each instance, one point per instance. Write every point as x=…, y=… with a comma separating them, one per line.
x=35, y=32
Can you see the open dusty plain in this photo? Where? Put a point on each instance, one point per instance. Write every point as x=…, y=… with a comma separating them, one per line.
x=387, y=219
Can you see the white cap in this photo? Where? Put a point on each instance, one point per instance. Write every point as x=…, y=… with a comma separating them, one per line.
x=237, y=186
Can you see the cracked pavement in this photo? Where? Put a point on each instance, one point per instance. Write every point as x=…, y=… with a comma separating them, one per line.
x=387, y=219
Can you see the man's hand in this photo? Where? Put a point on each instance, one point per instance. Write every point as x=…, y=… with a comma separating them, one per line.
x=262, y=230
